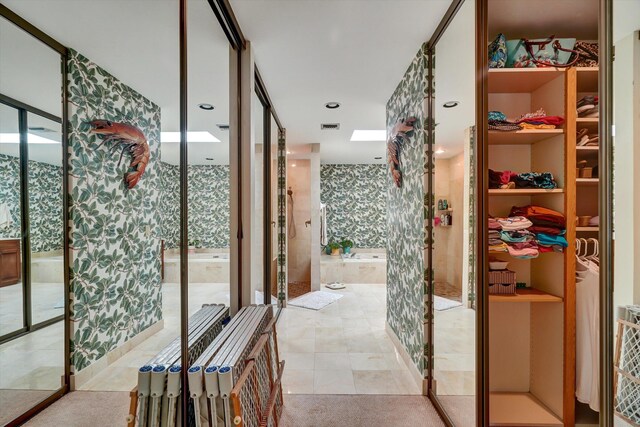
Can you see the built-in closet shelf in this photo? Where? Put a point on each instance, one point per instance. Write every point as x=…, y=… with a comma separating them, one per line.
x=590, y=123
x=445, y=210
x=587, y=79
x=589, y=229
x=587, y=181
x=524, y=191
x=526, y=295
x=519, y=409
x=588, y=148
x=521, y=80
x=525, y=136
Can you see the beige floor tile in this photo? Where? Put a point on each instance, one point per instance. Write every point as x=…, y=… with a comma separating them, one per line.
x=298, y=361
x=333, y=382
x=328, y=361
x=375, y=382
x=297, y=381
x=369, y=362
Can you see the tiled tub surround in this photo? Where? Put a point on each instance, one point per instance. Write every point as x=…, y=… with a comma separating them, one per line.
x=366, y=266
x=205, y=266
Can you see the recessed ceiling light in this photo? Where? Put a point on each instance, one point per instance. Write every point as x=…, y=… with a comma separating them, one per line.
x=378, y=158
x=288, y=152
x=369, y=135
x=192, y=136
x=207, y=107
x=293, y=165
x=450, y=104
x=332, y=105
x=209, y=158
x=439, y=151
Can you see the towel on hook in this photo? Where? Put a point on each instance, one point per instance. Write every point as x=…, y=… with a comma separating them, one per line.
x=323, y=224
x=5, y=216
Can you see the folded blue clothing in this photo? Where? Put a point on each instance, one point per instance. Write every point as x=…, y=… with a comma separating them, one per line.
x=516, y=236
x=551, y=240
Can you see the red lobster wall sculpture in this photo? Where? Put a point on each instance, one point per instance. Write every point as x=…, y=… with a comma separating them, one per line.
x=398, y=136
x=126, y=136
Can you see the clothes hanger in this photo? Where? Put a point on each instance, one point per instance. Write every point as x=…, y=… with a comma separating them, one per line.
x=596, y=251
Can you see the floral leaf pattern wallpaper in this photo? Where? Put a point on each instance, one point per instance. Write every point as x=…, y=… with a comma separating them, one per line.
x=10, y=194
x=356, y=199
x=405, y=218
x=45, y=202
x=208, y=204
x=115, y=232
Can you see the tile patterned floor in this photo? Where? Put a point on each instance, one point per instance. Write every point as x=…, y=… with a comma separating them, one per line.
x=343, y=348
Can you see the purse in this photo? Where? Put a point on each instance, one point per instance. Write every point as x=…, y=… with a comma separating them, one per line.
x=498, y=52
x=588, y=52
x=549, y=52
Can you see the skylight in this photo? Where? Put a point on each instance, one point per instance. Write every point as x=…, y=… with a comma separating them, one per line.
x=369, y=135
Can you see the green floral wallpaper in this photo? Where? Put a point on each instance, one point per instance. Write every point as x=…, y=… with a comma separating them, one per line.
x=10, y=194
x=115, y=232
x=405, y=218
x=208, y=202
x=356, y=200
x=45, y=202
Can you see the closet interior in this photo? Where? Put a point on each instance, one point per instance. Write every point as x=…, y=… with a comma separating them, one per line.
x=542, y=195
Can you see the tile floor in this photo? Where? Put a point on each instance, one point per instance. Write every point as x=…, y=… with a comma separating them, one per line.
x=343, y=348
x=47, y=299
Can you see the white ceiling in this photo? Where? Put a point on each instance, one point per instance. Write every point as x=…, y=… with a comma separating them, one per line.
x=309, y=52
x=138, y=42
x=355, y=52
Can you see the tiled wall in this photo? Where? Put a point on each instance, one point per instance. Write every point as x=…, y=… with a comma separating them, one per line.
x=405, y=218
x=356, y=200
x=299, y=250
x=449, y=184
x=115, y=232
x=208, y=203
x=45, y=202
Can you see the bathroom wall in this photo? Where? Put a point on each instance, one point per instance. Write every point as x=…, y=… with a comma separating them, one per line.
x=299, y=250
x=356, y=200
x=115, y=232
x=449, y=184
x=45, y=202
x=405, y=218
x=208, y=202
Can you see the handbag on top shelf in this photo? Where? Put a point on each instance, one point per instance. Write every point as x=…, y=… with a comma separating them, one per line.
x=549, y=52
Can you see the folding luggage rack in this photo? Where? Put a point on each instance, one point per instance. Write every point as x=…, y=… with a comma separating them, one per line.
x=155, y=400
x=234, y=376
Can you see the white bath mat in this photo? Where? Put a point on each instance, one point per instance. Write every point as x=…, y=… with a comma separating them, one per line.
x=260, y=298
x=316, y=300
x=335, y=286
x=442, y=304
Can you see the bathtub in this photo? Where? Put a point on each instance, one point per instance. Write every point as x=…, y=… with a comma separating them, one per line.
x=205, y=266
x=365, y=266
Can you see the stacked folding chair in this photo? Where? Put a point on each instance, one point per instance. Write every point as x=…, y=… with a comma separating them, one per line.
x=156, y=402
x=218, y=371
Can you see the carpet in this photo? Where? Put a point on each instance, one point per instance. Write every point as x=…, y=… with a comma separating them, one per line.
x=441, y=304
x=14, y=403
x=85, y=408
x=303, y=410
x=316, y=300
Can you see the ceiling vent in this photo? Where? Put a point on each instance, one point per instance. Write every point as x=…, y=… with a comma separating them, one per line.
x=223, y=127
x=330, y=126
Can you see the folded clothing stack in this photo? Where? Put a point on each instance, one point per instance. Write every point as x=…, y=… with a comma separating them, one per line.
x=508, y=179
x=586, y=139
x=527, y=232
x=549, y=227
x=587, y=107
x=536, y=120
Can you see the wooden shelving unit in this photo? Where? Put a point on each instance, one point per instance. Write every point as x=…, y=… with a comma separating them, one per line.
x=524, y=192
x=545, y=315
x=587, y=181
x=526, y=295
x=588, y=229
x=525, y=136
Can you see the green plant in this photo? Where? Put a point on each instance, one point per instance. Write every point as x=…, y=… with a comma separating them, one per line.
x=346, y=243
x=334, y=246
